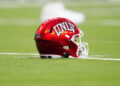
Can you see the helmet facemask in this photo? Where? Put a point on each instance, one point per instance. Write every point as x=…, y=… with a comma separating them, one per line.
x=82, y=49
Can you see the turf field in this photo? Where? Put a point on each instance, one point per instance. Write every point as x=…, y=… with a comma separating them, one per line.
x=102, y=32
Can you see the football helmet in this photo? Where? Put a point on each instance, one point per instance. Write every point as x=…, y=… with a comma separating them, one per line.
x=60, y=38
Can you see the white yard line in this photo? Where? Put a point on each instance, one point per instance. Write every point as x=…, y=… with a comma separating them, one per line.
x=34, y=55
x=29, y=22
x=117, y=1
x=19, y=21
x=104, y=22
x=38, y=3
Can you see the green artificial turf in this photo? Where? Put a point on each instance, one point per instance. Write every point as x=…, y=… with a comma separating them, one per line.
x=102, y=32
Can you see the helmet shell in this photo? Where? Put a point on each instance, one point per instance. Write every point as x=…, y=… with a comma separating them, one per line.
x=54, y=34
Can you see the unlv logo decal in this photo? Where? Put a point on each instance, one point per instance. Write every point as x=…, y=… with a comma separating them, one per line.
x=64, y=26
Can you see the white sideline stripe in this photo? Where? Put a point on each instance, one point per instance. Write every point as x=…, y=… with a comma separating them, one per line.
x=34, y=55
x=99, y=58
x=19, y=54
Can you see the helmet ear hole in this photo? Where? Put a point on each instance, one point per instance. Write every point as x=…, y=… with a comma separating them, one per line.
x=66, y=55
x=66, y=47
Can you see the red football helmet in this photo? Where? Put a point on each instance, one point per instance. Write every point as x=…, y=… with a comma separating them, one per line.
x=60, y=37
